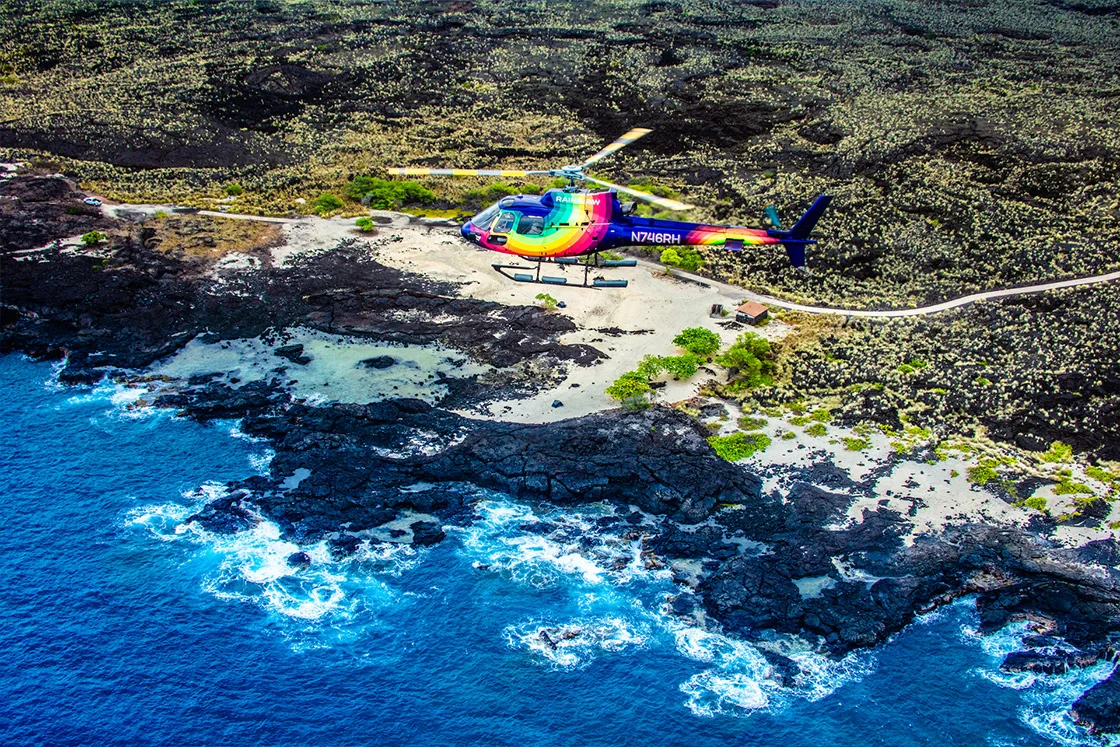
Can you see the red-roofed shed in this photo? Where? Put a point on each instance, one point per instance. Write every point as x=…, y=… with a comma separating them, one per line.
x=751, y=312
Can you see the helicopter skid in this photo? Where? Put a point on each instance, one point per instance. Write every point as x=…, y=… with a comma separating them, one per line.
x=530, y=274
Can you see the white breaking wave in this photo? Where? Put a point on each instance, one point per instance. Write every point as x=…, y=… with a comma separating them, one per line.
x=262, y=463
x=573, y=546
x=1048, y=698
x=575, y=643
x=623, y=610
x=252, y=566
x=741, y=681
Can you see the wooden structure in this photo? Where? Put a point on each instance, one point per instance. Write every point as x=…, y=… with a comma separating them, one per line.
x=751, y=312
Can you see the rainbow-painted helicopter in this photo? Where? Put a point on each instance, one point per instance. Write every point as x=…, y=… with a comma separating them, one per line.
x=562, y=224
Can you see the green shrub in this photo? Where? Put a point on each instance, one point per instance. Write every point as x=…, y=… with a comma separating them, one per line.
x=915, y=365
x=789, y=435
x=1037, y=502
x=817, y=429
x=739, y=445
x=855, y=444
x=631, y=385
x=1099, y=474
x=364, y=224
x=1059, y=452
x=748, y=423
x=547, y=301
x=823, y=415
x=388, y=194
x=681, y=367
x=1068, y=487
x=698, y=340
x=93, y=238
x=748, y=359
x=326, y=203
x=491, y=193
x=981, y=474
x=234, y=190
x=670, y=256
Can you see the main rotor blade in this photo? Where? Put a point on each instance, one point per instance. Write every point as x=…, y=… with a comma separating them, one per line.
x=463, y=172
x=662, y=202
x=617, y=145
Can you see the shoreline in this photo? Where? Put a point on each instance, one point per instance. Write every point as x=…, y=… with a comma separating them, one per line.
x=810, y=550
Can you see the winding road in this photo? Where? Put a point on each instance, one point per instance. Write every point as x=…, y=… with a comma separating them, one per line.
x=741, y=294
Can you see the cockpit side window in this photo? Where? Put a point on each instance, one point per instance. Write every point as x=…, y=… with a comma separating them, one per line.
x=531, y=225
x=505, y=222
x=483, y=220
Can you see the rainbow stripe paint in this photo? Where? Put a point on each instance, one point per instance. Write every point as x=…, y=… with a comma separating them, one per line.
x=569, y=223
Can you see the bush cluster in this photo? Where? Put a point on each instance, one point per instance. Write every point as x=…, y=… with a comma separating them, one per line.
x=738, y=445
x=388, y=194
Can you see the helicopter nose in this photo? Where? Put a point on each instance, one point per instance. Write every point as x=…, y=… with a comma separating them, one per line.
x=465, y=231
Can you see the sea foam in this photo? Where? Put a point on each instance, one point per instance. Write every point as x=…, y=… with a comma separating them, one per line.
x=1047, y=698
x=329, y=595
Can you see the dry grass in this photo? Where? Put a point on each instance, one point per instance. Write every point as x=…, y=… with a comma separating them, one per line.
x=206, y=238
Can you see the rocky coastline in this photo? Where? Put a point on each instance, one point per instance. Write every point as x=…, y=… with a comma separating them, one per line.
x=416, y=467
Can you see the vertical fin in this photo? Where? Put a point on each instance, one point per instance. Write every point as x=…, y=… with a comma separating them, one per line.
x=805, y=224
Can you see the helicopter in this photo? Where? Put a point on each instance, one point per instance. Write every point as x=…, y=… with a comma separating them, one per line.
x=565, y=223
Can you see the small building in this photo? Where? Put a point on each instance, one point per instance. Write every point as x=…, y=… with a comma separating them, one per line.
x=751, y=312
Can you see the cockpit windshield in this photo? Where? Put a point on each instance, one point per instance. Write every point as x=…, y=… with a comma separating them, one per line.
x=486, y=217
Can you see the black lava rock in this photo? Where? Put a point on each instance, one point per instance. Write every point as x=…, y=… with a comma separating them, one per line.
x=299, y=560
x=426, y=533
x=294, y=353
x=1099, y=708
x=379, y=362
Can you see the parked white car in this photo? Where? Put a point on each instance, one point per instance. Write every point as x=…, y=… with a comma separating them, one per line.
x=92, y=201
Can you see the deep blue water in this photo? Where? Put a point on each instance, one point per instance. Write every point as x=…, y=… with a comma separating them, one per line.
x=120, y=626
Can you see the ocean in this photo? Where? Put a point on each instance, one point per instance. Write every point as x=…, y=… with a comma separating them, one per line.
x=123, y=625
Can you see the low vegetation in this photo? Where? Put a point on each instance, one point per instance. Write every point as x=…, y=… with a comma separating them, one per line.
x=388, y=194
x=739, y=445
x=93, y=238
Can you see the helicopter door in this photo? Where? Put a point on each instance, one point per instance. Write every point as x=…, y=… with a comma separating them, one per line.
x=505, y=223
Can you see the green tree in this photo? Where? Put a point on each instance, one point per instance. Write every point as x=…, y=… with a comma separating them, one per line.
x=650, y=366
x=364, y=225
x=748, y=359
x=93, y=238
x=235, y=189
x=698, y=340
x=326, y=203
x=632, y=390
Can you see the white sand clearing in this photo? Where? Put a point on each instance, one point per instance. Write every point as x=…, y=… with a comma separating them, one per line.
x=651, y=311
